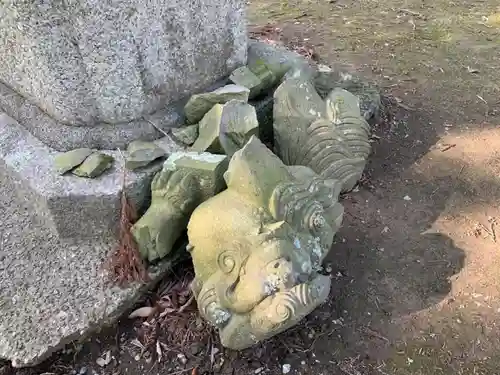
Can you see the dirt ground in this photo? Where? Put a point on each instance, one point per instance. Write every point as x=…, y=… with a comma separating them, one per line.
x=416, y=264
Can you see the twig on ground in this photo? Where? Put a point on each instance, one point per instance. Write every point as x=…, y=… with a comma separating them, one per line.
x=404, y=106
x=373, y=333
x=186, y=305
x=181, y=371
x=348, y=367
x=482, y=99
x=157, y=127
x=412, y=12
x=447, y=147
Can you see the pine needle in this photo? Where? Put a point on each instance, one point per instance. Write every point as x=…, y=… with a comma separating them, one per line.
x=125, y=265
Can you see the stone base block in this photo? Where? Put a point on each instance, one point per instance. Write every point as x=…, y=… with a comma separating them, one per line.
x=72, y=207
x=53, y=291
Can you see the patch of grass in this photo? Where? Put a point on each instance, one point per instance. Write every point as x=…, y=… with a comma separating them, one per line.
x=437, y=31
x=493, y=20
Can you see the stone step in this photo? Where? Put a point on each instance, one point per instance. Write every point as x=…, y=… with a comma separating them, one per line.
x=72, y=207
x=53, y=290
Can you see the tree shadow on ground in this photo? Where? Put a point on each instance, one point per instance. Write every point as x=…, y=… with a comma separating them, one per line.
x=387, y=264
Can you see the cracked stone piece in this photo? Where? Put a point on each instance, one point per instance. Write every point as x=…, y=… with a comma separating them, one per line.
x=199, y=104
x=257, y=247
x=140, y=154
x=226, y=128
x=66, y=161
x=343, y=109
x=266, y=75
x=186, y=134
x=282, y=62
x=186, y=180
x=243, y=76
x=95, y=165
x=296, y=106
x=331, y=137
x=370, y=102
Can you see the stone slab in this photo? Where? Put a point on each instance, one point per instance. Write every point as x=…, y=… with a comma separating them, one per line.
x=102, y=66
x=73, y=207
x=53, y=291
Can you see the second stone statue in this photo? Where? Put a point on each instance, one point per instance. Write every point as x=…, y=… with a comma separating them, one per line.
x=258, y=246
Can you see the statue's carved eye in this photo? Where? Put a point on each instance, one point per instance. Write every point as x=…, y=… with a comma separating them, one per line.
x=276, y=265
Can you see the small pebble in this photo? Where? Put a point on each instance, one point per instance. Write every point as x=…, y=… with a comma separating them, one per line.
x=182, y=358
x=286, y=368
x=196, y=348
x=83, y=370
x=259, y=370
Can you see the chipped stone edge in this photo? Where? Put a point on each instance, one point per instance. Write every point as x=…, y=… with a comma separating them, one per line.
x=110, y=314
x=61, y=199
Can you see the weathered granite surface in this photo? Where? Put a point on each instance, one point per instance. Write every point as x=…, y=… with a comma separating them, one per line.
x=86, y=73
x=72, y=206
x=52, y=290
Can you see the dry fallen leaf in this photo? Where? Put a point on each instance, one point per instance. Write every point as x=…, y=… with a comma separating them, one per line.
x=158, y=351
x=142, y=312
x=104, y=361
x=472, y=70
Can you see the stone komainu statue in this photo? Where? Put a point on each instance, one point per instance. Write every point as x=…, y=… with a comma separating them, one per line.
x=257, y=247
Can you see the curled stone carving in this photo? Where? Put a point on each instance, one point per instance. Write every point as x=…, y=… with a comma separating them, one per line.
x=186, y=180
x=330, y=136
x=258, y=246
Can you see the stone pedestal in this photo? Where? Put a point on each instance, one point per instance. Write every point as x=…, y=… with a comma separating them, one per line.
x=94, y=74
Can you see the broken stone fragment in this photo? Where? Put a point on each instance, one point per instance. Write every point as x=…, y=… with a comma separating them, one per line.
x=186, y=180
x=266, y=75
x=199, y=104
x=226, y=128
x=66, y=161
x=140, y=154
x=296, y=106
x=343, y=109
x=186, y=134
x=331, y=137
x=327, y=79
x=243, y=76
x=282, y=62
x=94, y=165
